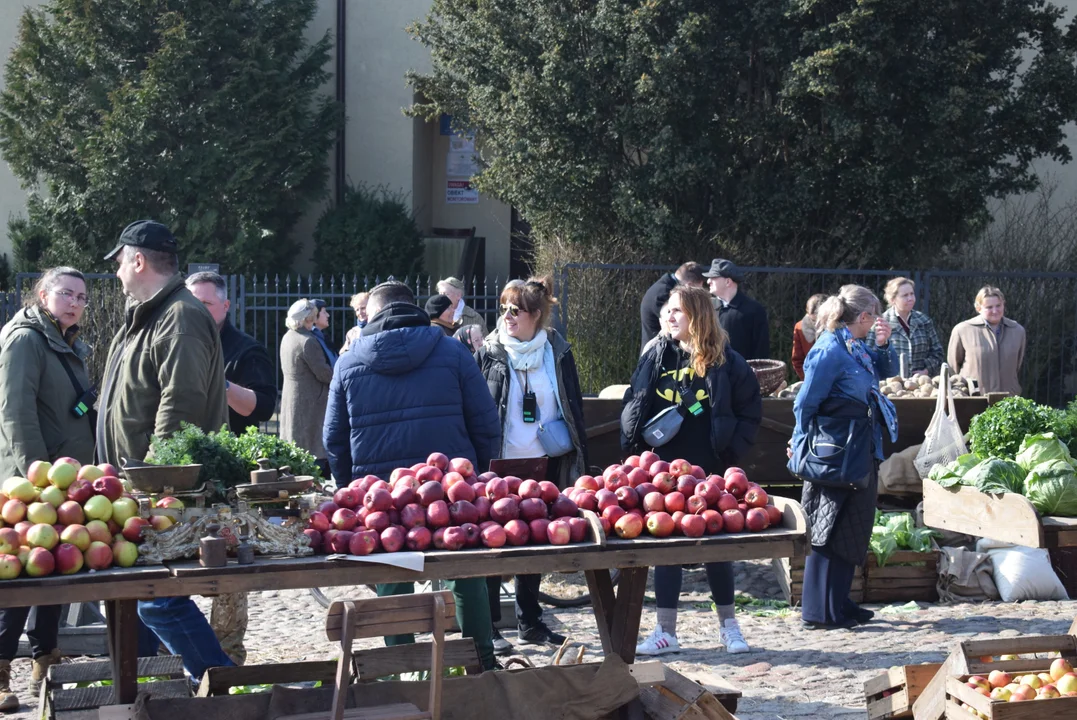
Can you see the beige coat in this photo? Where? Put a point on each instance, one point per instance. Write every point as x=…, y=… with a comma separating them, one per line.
x=307, y=373
x=975, y=352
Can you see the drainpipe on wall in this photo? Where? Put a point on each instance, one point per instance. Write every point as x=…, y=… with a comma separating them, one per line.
x=339, y=174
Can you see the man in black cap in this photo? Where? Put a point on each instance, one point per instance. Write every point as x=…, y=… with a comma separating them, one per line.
x=440, y=309
x=744, y=320
x=164, y=368
x=690, y=274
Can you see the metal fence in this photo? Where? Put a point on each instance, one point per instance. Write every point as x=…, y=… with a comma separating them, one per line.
x=258, y=306
x=599, y=313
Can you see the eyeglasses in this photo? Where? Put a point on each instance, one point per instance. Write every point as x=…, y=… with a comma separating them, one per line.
x=80, y=299
x=510, y=309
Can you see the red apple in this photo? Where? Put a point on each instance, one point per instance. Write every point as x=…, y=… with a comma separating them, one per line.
x=454, y=538
x=562, y=507
x=378, y=500
x=733, y=521
x=709, y=492
x=530, y=489
x=68, y=557
x=404, y=481
x=614, y=513
x=695, y=505
x=39, y=562
x=472, y=535
x=99, y=531
x=674, y=502
x=413, y=515
x=660, y=525
x=427, y=474
x=718, y=481
x=727, y=502
x=493, y=536
x=638, y=476
x=347, y=498
x=615, y=479
x=460, y=491
x=363, y=542
x=328, y=508
x=80, y=491
x=654, y=502
x=648, y=458
x=532, y=509
x=587, y=500
x=559, y=532
x=645, y=488
x=437, y=514
x=680, y=467
x=318, y=521
x=587, y=482
x=736, y=483
x=578, y=528
x=392, y=539
x=538, y=529
x=630, y=526
x=693, y=526
x=376, y=521
x=109, y=469
x=658, y=466
x=774, y=515
x=463, y=466
x=418, y=539
x=462, y=512
x=756, y=520
x=686, y=485
x=605, y=498
x=550, y=492
x=497, y=488
x=632, y=461
x=482, y=505
x=314, y=537
x=627, y=497
x=756, y=498
x=504, y=510
x=110, y=487
x=402, y=496
x=517, y=532
x=430, y=492
x=439, y=461
x=698, y=473
x=98, y=556
x=399, y=473
x=665, y=482
x=345, y=519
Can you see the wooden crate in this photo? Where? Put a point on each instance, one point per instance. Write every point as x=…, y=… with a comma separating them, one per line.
x=892, y=694
x=897, y=581
x=1007, y=517
x=678, y=698
x=943, y=696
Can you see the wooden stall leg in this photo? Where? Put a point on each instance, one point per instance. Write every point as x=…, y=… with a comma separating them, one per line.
x=627, y=609
x=600, y=585
x=122, y=618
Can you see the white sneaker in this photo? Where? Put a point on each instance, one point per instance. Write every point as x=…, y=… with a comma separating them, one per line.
x=658, y=642
x=732, y=638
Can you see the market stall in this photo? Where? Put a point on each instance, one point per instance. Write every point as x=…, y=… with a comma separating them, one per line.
x=617, y=611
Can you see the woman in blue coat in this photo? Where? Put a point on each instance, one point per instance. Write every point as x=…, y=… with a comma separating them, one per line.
x=842, y=366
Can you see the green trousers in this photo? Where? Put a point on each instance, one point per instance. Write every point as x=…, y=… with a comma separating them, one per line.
x=472, y=614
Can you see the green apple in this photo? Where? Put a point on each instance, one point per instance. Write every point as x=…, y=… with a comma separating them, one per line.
x=53, y=496
x=98, y=508
x=18, y=488
x=122, y=509
x=62, y=475
x=41, y=512
x=38, y=473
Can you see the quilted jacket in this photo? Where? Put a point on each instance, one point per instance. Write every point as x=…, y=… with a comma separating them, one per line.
x=840, y=519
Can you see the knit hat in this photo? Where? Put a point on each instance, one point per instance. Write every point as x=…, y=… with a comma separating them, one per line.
x=437, y=305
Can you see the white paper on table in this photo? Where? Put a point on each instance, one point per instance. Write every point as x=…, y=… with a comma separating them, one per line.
x=404, y=560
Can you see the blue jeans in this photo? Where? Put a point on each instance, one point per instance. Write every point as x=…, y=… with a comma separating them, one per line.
x=184, y=630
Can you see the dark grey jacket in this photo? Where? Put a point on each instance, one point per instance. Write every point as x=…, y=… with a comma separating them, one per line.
x=494, y=366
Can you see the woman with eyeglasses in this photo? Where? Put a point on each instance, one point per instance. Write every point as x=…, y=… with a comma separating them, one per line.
x=692, y=367
x=44, y=416
x=531, y=374
x=841, y=378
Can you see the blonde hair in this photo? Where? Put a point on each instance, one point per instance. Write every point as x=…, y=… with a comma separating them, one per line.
x=845, y=307
x=50, y=279
x=814, y=302
x=706, y=338
x=299, y=312
x=535, y=294
x=988, y=291
x=358, y=298
x=890, y=292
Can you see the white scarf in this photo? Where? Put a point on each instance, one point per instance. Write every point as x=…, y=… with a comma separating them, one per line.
x=523, y=355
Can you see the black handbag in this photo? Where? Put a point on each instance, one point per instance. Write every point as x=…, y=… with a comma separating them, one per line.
x=836, y=450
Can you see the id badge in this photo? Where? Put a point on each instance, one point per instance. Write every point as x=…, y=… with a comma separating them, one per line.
x=530, y=407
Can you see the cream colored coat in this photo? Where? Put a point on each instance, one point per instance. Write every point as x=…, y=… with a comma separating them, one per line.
x=975, y=352
x=305, y=391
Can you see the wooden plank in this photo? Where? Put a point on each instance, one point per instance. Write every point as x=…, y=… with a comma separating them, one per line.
x=628, y=607
x=1054, y=709
x=123, y=625
x=597, y=533
x=398, y=711
x=600, y=587
x=1007, y=518
x=170, y=666
x=931, y=705
x=648, y=673
x=218, y=680
x=92, y=697
x=367, y=618
x=383, y=661
x=1065, y=644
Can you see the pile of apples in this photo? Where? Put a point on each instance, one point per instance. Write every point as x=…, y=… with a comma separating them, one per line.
x=1001, y=686
x=674, y=498
x=65, y=517
x=442, y=504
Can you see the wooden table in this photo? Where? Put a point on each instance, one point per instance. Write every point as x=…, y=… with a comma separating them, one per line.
x=617, y=611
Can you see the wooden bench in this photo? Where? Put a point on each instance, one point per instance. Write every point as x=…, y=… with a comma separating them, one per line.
x=393, y=615
x=81, y=703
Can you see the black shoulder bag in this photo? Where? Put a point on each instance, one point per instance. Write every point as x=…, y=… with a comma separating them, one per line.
x=86, y=398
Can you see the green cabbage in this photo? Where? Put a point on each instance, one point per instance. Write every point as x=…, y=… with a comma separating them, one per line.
x=996, y=476
x=952, y=473
x=1036, y=449
x=882, y=544
x=1052, y=488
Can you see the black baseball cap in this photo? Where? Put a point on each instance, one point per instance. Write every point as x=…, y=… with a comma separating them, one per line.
x=147, y=234
x=726, y=269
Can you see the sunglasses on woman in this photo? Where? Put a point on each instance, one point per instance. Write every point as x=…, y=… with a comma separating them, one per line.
x=510, y=309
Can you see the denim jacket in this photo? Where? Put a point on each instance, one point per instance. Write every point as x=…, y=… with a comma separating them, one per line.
x=829, y=370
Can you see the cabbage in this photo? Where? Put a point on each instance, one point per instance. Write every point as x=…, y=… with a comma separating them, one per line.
x=1052, y=488
x=952, y=473
x=883, y=544
x=996, y=476
x=1036, y=449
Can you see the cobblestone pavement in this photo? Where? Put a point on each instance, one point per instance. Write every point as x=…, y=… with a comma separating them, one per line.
x=790, y=673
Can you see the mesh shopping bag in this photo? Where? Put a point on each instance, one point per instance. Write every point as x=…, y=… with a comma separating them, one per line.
x=943, y=441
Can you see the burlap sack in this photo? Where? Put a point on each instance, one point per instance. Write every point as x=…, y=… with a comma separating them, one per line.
x=965, y=576
x=898, y=475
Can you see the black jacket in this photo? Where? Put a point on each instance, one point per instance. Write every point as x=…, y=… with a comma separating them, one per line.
x=736, y=405
x=494, y=365
x=653, y=300
x=745, y=321
x=247, y=364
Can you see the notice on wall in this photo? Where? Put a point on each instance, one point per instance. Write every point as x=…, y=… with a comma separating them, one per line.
x=461, y=192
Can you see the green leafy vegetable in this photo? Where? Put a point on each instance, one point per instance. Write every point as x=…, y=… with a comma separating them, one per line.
x=1036, y=449
x=994, y=475
x=221, y=469
x=882, y=544
x=252, y=445
x=951, y=474
x=898, y=531
x=1052, y=488
x=920, y=539
x=999, y=430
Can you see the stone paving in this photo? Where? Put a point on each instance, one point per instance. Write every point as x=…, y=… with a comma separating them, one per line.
x=790, y=673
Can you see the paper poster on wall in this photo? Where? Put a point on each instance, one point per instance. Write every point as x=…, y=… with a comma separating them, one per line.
x=460, y=192
x=461, y=164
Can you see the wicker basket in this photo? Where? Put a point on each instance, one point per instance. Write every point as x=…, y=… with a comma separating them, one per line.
x=769, y=373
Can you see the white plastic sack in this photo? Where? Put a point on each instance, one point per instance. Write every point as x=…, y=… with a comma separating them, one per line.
x=1023, y=573
x=943, y=441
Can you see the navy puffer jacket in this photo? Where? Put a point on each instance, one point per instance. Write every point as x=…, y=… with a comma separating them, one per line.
x=402, y=391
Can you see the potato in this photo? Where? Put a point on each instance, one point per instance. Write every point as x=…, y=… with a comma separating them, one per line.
x=911, y=384
x=923, y=380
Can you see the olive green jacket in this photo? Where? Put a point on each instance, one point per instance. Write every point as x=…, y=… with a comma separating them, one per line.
x=165, y=367
x=37, y=396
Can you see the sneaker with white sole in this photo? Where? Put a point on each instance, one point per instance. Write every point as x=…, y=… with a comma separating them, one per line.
x=658, y=642
x=732, y=638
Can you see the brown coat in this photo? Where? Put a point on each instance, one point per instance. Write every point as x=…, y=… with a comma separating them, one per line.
x=307, y=373
x=801, y=346
x=975, y=352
